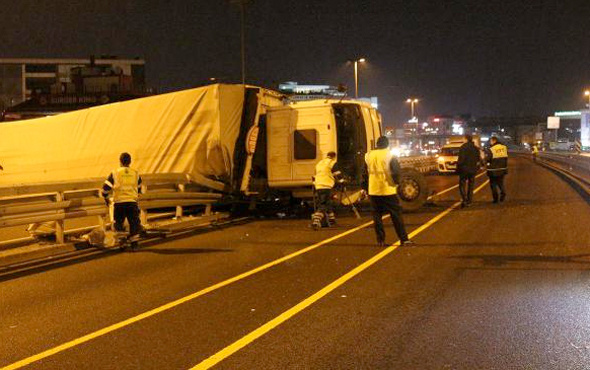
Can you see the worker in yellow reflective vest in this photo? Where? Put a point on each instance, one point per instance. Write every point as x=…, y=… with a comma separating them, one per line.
x=535, y=153
x=497, y=168
x=323, y=183
x=125, y=185
x=383, y=174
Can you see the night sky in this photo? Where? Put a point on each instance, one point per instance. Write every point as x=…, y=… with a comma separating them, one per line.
x=459, y=57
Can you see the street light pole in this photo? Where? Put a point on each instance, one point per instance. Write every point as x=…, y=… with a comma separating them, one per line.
x=412, y=102
x=356, y=76
x=242, y=5
x=587, y=93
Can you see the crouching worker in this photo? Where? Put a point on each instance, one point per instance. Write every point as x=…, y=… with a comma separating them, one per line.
x=323, y=183
x=125, y=185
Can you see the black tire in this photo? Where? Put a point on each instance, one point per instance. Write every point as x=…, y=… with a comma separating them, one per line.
x=412, y=190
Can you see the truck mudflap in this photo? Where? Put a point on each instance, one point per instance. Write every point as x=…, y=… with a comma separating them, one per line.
x=412, y=189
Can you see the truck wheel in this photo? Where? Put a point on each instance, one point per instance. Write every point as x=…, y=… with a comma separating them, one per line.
x=412, y=189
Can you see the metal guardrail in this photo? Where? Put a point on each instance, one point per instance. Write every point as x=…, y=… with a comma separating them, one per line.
x=578, y=165
x=57, y=202
x=422, y=164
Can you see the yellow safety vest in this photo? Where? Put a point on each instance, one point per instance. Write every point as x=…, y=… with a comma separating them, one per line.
x=499, y=151
x=380, y=181
x=324, y=179
x=535, y=150
x=125, y=185
x=498, y=163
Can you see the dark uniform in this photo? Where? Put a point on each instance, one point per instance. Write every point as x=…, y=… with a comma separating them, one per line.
x=383, y=174
x=467, y=167
x=497, y=168
x=125, y=183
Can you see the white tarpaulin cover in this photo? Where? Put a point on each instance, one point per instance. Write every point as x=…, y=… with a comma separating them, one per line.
x=192, y=131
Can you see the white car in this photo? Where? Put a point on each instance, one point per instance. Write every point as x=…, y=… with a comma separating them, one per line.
x=448, y=157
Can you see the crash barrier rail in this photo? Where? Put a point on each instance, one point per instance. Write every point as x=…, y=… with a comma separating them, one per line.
x=56, y=202
x=576, y=164
x=422, y=164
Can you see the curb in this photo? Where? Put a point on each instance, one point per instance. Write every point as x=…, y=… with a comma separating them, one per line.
x=33, y=252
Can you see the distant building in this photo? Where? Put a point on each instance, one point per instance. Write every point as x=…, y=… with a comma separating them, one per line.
x=297, y=92
x=309, y=92
x=90, y=81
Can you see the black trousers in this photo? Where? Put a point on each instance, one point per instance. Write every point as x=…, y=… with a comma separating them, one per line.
x=381, y=205
x=129, y=211
x=324, y=199
x=466, y=183
x=497, y=182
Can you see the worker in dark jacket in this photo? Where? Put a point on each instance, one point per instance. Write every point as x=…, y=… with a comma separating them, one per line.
x=125, y=185
x=382, y=174
x=467, y=167
x=497, y=168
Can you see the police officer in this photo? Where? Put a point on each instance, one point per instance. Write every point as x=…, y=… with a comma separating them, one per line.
x=324, y=182
x=383, y=175
x=125, y=185
x=497, y=168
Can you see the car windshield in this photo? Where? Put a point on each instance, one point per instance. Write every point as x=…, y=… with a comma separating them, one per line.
x=449, y=151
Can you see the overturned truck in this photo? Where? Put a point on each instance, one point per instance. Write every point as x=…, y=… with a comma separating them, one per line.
x=243, y=141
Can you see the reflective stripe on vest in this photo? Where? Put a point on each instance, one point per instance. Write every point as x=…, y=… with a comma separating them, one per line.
x=324, y=179
x=499, y=161
x=380, y=181
x=125, y=185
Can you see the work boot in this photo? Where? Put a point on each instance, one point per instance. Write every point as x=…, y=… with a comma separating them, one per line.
x=381, y=244
x=408, y=243
x=332, y=218
x=502, y=197
x=316, y=220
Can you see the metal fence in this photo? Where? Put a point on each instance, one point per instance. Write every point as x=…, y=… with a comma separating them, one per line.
x=54, y=203
x=575, y=163
x=422, y=164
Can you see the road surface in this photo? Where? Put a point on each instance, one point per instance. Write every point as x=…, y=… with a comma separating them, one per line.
x=493, y=286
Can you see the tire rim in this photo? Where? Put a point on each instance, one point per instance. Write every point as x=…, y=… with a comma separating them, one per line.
x=409, y=189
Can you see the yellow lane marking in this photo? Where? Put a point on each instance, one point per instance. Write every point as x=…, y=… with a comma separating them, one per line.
x=260, y=331
x=451, y=188
x=170, y=305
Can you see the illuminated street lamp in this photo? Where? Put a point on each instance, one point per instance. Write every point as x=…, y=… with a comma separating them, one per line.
x=356, y=76
x=413, y=102
x=587, y=93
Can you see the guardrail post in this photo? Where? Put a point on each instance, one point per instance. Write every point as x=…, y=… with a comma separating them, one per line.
x=178, y=215
x=142, y=212
x=59, y=224
x=102, y=218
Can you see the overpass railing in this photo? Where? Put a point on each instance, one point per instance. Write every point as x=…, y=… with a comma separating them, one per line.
x=422, y=164
x=576, y=164
x=54, y=203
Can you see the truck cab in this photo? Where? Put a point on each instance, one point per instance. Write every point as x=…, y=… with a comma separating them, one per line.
x=301, y=134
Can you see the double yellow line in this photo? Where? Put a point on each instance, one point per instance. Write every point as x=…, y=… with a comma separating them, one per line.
x=258, y=332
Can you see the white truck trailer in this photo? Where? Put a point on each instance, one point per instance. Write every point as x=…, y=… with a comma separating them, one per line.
x=235, y=139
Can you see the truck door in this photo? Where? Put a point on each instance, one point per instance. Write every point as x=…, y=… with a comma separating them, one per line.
x=298, y=137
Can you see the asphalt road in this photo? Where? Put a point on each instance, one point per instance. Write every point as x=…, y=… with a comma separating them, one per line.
x=489, y=287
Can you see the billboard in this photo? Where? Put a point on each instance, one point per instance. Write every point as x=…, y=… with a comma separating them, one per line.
x=552, y=123
x=585, y=128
